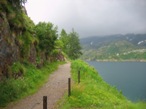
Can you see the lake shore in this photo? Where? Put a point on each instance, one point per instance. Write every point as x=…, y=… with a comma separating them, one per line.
x=114, y=60
x=128, y=77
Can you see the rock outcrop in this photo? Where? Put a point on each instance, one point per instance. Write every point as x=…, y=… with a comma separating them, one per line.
x=12, y=28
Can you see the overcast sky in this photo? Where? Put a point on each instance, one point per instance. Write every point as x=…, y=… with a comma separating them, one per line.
x=91, y=17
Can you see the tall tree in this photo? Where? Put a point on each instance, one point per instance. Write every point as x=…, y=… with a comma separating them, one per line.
x=71, y=44
x=65, y=40
x=74, y=47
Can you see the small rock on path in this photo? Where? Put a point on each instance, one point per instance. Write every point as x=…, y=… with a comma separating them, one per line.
x=54, y=89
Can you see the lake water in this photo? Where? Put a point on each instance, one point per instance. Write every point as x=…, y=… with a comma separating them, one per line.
x=128, y=77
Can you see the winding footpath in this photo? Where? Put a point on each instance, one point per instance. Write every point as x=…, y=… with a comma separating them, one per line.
x=54, y=89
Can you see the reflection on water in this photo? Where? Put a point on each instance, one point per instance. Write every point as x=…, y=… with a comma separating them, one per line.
x=129, y=77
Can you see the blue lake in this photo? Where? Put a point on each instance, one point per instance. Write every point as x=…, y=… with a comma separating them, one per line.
x=128, y=77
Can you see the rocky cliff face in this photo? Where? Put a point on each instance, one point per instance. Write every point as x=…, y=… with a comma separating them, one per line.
x=13, y=26
x=8, y=49
x=19, y=43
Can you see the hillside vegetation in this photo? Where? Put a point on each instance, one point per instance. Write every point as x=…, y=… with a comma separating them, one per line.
x=23, y=41
x=94, y=93
x=26, y=49
x=115, y=47
x=33, y=78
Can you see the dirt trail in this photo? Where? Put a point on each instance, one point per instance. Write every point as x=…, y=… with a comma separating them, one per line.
x=54, y=89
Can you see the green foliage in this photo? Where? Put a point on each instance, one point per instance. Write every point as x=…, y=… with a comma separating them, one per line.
x=47, y=35
x=13, y=89
x=65, y=40
x=17, y=70
x=71, y=44
x=10, y=90
x=74, y=48
x=15, y=15
x=58, y=44
x=18, y=2
x=24, y=42
x=93, y=93
x=28, y=23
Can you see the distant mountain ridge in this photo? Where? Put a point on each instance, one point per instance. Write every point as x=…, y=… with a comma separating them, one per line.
x=114, y=47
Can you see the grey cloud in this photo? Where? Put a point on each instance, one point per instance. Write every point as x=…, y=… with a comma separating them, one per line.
x=97, y=17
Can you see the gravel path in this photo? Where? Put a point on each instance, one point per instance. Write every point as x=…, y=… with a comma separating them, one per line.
x=54, y=89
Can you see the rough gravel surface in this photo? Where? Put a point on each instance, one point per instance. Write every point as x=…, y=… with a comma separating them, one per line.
x=54, y=89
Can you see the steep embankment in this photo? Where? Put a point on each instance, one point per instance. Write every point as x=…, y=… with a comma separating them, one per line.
x=17, y=40
x=94, y=93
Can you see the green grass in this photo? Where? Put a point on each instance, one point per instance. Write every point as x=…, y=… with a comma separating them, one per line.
x=32, y=80
x=94, y=93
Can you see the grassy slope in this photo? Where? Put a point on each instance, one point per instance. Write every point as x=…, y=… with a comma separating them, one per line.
x=93, y=92
x=33, y=79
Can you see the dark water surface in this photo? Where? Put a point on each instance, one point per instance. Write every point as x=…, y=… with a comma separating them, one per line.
x=128, y=77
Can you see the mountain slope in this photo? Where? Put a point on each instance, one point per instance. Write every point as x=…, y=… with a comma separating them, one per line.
x=114, y=47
